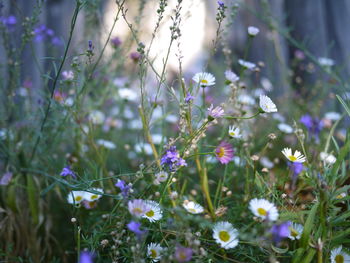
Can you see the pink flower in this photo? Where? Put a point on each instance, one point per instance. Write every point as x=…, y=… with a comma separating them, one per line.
x=216, y=112
x=224, y=152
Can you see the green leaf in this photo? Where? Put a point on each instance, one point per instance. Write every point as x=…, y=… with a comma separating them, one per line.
x=309, y=225
x=309, y=256
x=342, y=154
x=346, y=107
x=32, y=199
x=298, y=255
x=279, y=250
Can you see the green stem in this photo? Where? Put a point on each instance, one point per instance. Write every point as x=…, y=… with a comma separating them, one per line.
x=241, y=118
x=74, y=19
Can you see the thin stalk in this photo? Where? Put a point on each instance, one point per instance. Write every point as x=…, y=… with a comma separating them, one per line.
x=241, y=118
x=73, y=21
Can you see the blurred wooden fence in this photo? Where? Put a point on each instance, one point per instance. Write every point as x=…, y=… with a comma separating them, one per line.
x=322, y=25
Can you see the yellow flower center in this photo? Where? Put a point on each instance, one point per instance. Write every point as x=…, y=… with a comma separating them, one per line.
x=192, y=210
x=339, y=259
x=153, y=253
x=94, y=197
x=182, y=256
x=294, y=233
x=224, y=236
x=78, y=198
x=232, y=133
x=221, y=152
x=204, y=81
x=292, y=158
x=137, y=210
x=262, y=212
x=150, y=213
x=339, y=196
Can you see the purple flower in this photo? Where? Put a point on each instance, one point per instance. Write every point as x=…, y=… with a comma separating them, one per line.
x=221, y=3
x=10, y=22
x=116, y=42
x=216, y=112
x=6, y=178
x=91, y=47
x=296, y=167
x=138, y=207
x=135, y=56
x=56, y=41
x=135, y=227
x=172, y=158
x=189, y=98
x=40, y=33
x=86, y=257
x=224, y=152
x=313, y=125
x=89, y=205
x=67, y=171
x=280, y=231
x=124, y=188
x=183, y=254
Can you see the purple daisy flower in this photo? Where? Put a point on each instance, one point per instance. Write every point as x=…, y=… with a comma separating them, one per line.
x=183, y=254
x=216, y=112
x=224, y=152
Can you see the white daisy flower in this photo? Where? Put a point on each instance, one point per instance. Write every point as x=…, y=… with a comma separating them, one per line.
x=91, y=197
x=231, y=76
x=339, y=256
x=341, y=196
x=258, y=92
x=171, y=118
x=285, y=128
x=263, y=209
x=157, y=138
x=328, y=158
x=107, y=144
x=225, y=235
x=253, y=31
x=161, y=177
x=333, y=116
x=297, y=157
x=246, y=99
x=266, y=162
x=154, y=251
x=154, y=211
x=97, y=117
x=246, y=64
x=205, y=79
x=266, y=104
x=295, y=231
x=279, y=117
x=127, y=94
x=326, y=62
x=76, y=197
x=144, y=148
x=234, y=132
x=266, y=84
x=138, y=207
x=192, y=207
